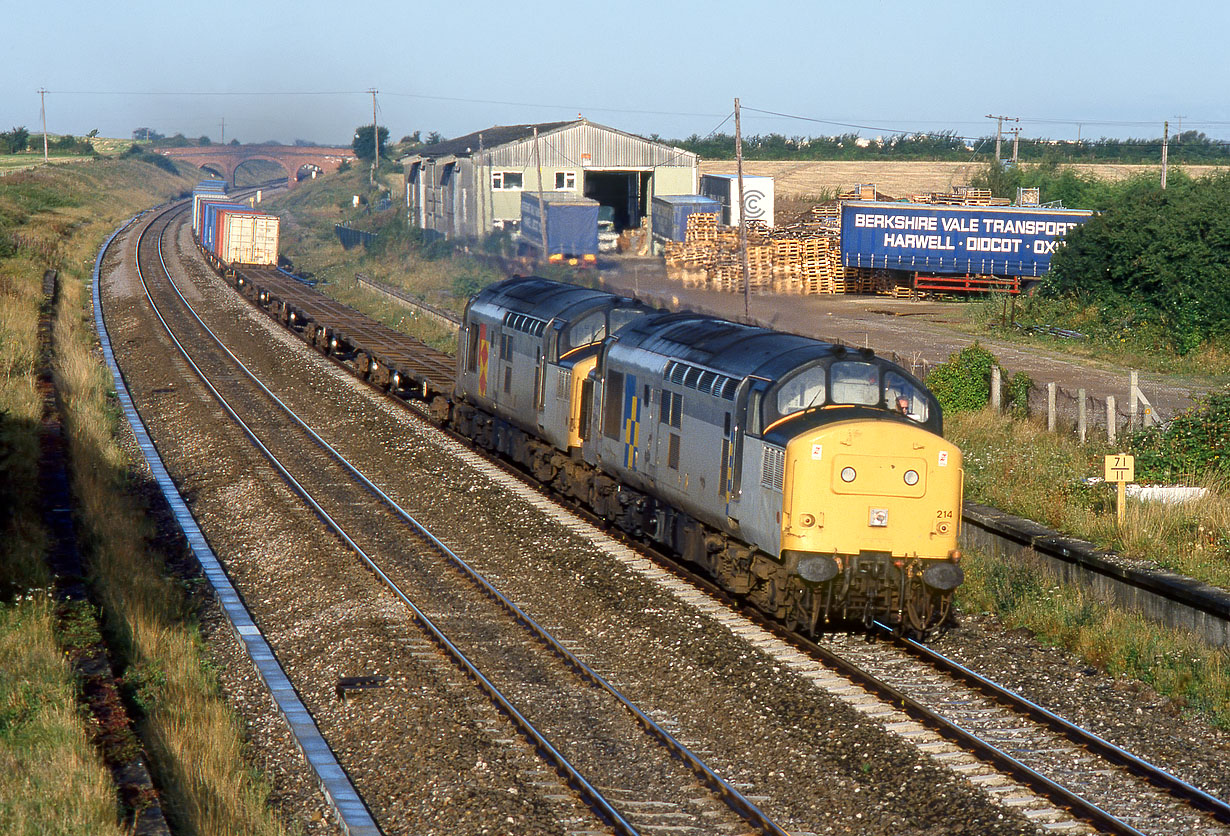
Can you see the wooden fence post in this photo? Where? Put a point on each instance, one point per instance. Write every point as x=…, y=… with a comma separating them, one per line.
x=1050, y=407
x=1110, y=418
x=996, y=386
x=1081, y=420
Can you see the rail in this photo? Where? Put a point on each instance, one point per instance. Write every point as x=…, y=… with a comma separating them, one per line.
x=353, y=816
x=736, y=801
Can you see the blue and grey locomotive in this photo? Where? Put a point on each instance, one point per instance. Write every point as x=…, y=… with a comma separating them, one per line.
x=809, y=477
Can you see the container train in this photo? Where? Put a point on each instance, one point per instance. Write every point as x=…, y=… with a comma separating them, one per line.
x=231, y=232
x=811, y=478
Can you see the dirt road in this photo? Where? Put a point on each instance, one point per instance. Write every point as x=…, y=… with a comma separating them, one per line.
x=920, y=333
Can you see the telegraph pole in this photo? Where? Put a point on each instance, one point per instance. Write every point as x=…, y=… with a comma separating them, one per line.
x=375, y=136
x=542, y=207
x=1165, y=149
x=999, y=132
x=747, y=285
x=1016, y=140
x=42, y=107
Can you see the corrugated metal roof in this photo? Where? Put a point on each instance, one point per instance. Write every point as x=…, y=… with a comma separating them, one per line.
x=580, y=143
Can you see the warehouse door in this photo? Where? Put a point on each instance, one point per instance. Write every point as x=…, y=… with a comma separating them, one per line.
x=624, y=191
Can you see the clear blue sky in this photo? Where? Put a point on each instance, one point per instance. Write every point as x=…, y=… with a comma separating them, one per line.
x=666, y=67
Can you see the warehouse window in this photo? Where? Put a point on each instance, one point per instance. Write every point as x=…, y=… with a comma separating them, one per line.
x=506, y=180
x=566, y=181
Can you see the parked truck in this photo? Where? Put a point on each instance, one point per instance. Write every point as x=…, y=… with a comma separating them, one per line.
x=571, y=223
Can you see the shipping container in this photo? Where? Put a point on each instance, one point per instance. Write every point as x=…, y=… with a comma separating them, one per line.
x=757, y=196
x=205, y=190
x=198, y=216
x=670, y=214
x=970, y=240
x=209, y=222
x=247, y=237
x=571, y=221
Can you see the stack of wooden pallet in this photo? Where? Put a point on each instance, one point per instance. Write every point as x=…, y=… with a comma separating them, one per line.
x=701, y=226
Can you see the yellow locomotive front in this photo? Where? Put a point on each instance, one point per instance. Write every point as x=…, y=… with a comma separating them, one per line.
x=873, y=507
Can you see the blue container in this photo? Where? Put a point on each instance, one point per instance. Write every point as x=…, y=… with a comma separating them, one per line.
x=671, y=211
x=975, y=240
x=572, y=224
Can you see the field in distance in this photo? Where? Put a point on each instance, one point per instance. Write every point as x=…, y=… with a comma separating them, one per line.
x=795, y=179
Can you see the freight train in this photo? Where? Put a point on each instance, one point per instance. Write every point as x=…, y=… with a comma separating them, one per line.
x=811, y=478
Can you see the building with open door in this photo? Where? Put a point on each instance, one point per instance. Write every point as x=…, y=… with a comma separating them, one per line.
x=470, y=186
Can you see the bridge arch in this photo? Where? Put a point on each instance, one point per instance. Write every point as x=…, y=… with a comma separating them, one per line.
x=225, y=159
x=233, y=178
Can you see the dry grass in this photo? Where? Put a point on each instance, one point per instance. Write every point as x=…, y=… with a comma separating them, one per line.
x=195, y=741
x=49, y=781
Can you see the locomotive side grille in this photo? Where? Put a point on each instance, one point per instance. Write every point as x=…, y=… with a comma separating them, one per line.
x=561, y=384
x=773, y=468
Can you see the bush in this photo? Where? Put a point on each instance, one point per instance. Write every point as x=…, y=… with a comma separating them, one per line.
x=1192, y=444
x=1163, y=256
x=963, y=384
x=1017, y=401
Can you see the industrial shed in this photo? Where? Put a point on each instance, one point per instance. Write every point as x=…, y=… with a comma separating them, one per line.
x=468, y=186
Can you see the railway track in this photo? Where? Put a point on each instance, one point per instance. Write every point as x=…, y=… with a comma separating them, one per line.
x=651, y=780
x=1015, y=749
x=1099, y=782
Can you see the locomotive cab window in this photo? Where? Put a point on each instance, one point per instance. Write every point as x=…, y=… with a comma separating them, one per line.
x=855, y=383
x=900, y=395
x=802, y=390
x=585, y=331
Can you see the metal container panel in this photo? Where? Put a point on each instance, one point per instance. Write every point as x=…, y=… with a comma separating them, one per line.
x=980, y=240
x=571, y=220
x=757, y=196
x=247, y=237
x=671, y=212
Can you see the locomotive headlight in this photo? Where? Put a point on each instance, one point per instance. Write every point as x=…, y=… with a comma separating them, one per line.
x=911, y=477
x=396, y=378
x=848, y=474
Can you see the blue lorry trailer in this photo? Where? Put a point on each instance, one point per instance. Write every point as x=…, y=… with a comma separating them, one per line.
x=992, y=242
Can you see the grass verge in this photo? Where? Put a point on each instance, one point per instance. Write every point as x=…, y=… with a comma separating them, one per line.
x=1177, y=665
x=1020, y=468
x=50, y=779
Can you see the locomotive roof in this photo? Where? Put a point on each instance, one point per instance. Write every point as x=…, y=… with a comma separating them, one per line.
x=542, y=298
x=728, y=347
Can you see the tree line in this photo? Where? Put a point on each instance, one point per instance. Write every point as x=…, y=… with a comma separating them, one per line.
x=17, y=140
x=1190, y=147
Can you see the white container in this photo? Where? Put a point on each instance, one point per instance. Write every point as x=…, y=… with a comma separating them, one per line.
x=249, y=239
x=757, y=196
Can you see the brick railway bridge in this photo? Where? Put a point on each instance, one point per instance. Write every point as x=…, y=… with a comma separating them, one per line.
x=225, y=159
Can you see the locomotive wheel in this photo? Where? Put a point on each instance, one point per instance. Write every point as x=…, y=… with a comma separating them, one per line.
x=926, y=608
